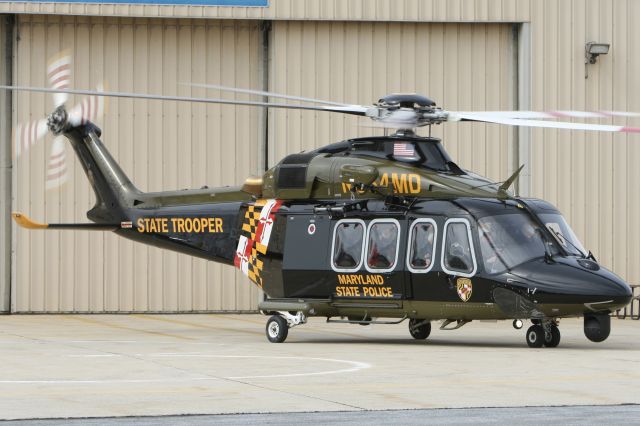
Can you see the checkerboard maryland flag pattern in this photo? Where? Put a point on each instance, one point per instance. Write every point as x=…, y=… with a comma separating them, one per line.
x=254, y=238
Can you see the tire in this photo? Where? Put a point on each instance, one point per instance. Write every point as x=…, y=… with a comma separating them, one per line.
x=277, y=329
x=552, y=337
x=419, y=329
x=535, y=336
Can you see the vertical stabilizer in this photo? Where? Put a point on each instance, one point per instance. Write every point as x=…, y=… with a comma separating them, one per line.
x=114, y=191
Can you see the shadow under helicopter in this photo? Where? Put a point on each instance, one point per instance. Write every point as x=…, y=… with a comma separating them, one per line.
x=568, y=345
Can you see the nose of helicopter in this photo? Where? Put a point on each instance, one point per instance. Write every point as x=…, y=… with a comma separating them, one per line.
x=575, y=281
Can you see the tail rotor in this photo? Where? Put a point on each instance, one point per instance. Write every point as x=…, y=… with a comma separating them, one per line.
x=29, y=134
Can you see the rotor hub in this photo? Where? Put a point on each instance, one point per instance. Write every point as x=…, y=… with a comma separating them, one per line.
x=57, y=120
x=402, y=100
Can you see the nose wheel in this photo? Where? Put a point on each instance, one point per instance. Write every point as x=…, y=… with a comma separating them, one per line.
x=543, y=334
x=551, y=336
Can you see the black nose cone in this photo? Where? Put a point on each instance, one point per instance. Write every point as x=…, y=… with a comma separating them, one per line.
x=568, y=281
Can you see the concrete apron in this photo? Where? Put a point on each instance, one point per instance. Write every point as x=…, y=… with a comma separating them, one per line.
x=126, y=365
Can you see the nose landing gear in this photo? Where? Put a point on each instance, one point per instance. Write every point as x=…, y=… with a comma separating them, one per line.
x=543, y=333
x=551, y=334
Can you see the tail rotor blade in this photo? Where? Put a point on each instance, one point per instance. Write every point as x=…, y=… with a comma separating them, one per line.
x=57, y=168
x=27, y=134
x=89, y=109
x=59, y=74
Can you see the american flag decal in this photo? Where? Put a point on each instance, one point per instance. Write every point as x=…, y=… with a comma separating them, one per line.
x=403, y=149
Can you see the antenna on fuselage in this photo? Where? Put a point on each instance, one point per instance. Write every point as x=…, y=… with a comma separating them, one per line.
x=502, y=190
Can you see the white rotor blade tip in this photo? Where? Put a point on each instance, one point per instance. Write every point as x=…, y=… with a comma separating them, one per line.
x=28, y=134
x=546, y=124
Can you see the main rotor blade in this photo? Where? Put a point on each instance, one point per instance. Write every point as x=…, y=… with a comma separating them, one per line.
x=352, y=109
x=538, y=123
x=263, y=93
x=551, y=114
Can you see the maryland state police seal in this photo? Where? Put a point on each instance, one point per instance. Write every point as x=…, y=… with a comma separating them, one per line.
x=464, y=288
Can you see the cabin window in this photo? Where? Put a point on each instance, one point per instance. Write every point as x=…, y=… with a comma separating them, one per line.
x=348, y=241
x=422, y=239
x=382, y=245
x=458, y=257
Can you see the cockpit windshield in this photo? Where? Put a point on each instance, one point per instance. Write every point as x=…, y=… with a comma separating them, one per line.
x=559, y=227
x=509, y=240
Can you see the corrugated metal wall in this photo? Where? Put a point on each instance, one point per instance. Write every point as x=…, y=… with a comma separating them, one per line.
x=593, y=178
x=161, y=145
x=332, y=10
x=460, y=66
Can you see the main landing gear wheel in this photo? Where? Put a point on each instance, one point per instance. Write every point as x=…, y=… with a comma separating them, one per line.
x=419, y=328
x=277, y=329
x=552, y=336
x=535, y=336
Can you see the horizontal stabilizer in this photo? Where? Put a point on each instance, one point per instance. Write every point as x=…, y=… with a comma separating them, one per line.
x=26, y=222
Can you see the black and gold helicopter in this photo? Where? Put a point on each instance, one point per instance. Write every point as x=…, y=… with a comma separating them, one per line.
x=373, y=230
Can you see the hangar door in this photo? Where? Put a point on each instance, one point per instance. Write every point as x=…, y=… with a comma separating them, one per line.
x=460, y=66
x=160, y=145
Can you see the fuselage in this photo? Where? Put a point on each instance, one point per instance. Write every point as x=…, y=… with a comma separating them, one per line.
x=384, y=227
x=440, y=258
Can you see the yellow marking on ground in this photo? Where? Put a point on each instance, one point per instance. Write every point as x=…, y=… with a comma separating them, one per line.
x=122, y=327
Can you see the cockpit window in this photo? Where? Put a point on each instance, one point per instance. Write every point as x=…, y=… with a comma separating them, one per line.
x=457, y=255
x=564, y=234
x=509, y=240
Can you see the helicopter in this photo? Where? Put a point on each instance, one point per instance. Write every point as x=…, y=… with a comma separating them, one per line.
x=372, y=230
